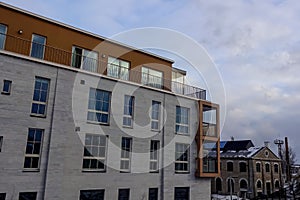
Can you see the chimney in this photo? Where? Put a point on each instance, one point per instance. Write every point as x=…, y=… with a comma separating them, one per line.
x=267, y=144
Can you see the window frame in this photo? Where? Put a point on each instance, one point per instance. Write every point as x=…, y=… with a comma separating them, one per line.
x=83, y=56
x=155, y=190
x=154, y=152
x=148, y=74
x=260, y=182
x=186, y=148
x=154, y=113
x=92, y=157
x=125, y=76
x=36, y=43
x=38, y=103
x=131, y=103
x=124, y=189
x=94, y=111
x=276, y=168
x=267, y=169
x=9, y=82
x=3, y=35
x=34, y=155
x=28, y=193
x=180, y=124
x=91, y=191
x=180, y=197
x=122, y=158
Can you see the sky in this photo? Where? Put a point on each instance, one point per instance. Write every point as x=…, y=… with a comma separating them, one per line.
x=255, y=45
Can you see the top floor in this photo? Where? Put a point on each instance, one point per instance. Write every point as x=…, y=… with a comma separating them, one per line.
x=28, y=34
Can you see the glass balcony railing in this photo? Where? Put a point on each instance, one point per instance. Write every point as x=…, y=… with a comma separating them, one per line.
x=90, y=63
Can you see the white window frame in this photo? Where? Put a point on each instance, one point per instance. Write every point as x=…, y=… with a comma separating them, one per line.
x=126, y=159
x=153, y=111
x=120, y=69
x=146, y=76
x=154, y=153
x=40, y=102
x=32, y=42
x=32, y=155
x=3, y=35
x=85, y=54
x=125, y=115
x=99, y=111
x=185, y=147
x=180, y=124
x=93, y=157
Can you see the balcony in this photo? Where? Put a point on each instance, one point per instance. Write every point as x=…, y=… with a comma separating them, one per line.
x=88, y=60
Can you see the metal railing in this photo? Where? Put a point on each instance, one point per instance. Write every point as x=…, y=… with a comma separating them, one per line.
x=52, y=54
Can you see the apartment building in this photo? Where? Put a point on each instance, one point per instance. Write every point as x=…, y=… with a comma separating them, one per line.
x=247, y=171
x=84, y=117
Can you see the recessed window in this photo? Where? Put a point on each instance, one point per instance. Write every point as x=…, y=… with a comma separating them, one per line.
x=125, y=154
x=94, y=155
x=152, y=77
x=99, y=106
x=181, y=158
x=154, y=155
x=38, y=46
x=243, y=167
x=128, y=111
x=267, y=165
x=155, y=112
x=276, y=168
x=40, y=97
x=3, y=30
x=124, y=194
x=27, y=195
x=84, y=59
x=118, y=68
x=153, y=194
x=230, y=166
x=33, y=148
x=92, y=194
x=1, y=142
x=6, y=87
x=182, y=120
x=182, y=193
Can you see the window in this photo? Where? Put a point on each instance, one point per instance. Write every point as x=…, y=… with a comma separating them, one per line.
x=125, y=154
x=209, y=122
x=229, y=166
x=154, y=154
x=27, y=195
x=84, y=59
x=182, y=120
x=182, y=193
x=94, y=155
x=209, y=157
x=276, y=168
x=38, y=46
x=218, y=184
x=124, y=194
x=152, y=77
x=128, y=111
x=153, y=194
x=259, y=184
x=230, y=186
x=92, y=194
x=258, y=167
x=6, y=87
x=1, y=142
x=181, y=157
x=33, y=148
x=267, y=167
x=99, y=105
x=178, y=79
x=243, y=167
x=243, y=184
x=2, y=196
x=155, y=112
x=277, y=184
x=40, y=96
x=3, y=30
x=118, y=68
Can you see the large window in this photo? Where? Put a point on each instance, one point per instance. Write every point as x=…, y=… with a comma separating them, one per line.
x=182, y=193
x=229, y=166
x=92, y=194
x=152, y=77
x=125, y=154
x=258, y=166
x=181, y=158
x=276, y=168
x=27, y=195
x=84, y=59
x=210, y=161
x=155, y=115
x=124, y=194
x=154, y=155
x=153, y=194
x=243, y=167
x=3, y=30
x=38, y=46
x=277, y=185
x=209, y=121
x=94, y=152
x=40, y=96
x=259, y=184
x=118, y=68
x=267, y=165
x=218, y=184
x=243, y=185
x=182, y=120
x=99, y=105
x=33, y=148
x=128, y=111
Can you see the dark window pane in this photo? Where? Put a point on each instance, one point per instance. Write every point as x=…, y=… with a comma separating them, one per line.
x=153, y=194
x=27, y=195
x=182, y=193
x=2, y=196
x=92, y=195
x=124, y=194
